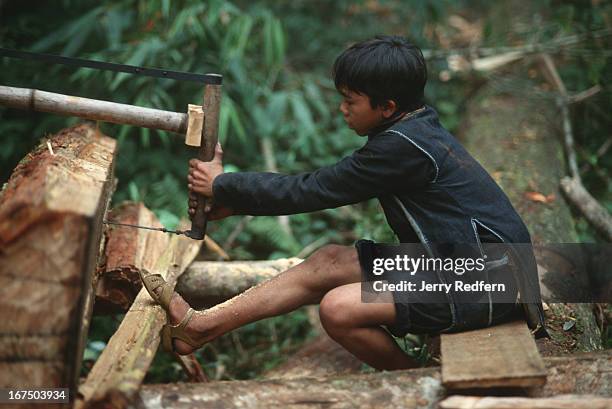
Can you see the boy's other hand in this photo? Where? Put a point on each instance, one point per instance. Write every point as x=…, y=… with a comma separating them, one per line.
x=202, y=174
x=214, y=213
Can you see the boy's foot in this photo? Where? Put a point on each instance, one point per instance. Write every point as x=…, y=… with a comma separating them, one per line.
x=177, y=310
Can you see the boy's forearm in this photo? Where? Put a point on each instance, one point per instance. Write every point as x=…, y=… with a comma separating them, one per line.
x=272, y=194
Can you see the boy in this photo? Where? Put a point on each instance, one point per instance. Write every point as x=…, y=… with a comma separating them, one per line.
x=430, y=188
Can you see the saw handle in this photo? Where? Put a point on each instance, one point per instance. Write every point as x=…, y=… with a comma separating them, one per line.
x=206, y=152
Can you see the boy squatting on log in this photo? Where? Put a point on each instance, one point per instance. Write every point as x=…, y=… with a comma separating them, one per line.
x=430, y=188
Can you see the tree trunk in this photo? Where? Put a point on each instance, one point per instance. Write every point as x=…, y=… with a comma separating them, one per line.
x=414, y=388
x=51, y=214
x=117, y=374
x=516, y=140
x=127, y=251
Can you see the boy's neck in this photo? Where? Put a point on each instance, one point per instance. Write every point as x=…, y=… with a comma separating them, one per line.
x=393, y=119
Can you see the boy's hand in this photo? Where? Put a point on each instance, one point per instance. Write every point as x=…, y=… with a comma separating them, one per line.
x=214, y=213
x=202, y=174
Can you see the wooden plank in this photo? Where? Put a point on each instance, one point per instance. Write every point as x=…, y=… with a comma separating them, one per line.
x=50, y=229
x=555, y=402
x=501, y=356
x=116, y=376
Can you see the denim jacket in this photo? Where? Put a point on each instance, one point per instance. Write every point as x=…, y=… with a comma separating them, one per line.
x=430, y=188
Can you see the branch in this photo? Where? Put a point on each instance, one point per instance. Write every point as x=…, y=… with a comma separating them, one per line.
x=573, y=188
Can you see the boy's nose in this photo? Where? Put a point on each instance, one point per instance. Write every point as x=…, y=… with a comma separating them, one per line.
x=343, y=109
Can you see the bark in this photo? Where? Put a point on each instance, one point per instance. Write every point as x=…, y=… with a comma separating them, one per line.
x=516, y=140
x=207, y=283
x=127, y=251
x=116, y=376
x=50, y=228
x=415, y=388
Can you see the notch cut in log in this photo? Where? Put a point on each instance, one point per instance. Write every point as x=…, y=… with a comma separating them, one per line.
x=500, y=356
x=50, y=228
x=118, y=373
x=93, y=109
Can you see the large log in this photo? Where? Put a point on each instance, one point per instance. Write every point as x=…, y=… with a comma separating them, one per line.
x=50, y=228
x=127, y=251
x=207, y=283
x=116, y=376
x=415, y=388
x=419, y=388
x=515, y=139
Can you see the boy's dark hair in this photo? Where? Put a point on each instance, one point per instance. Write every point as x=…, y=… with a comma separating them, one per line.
x=383, y=68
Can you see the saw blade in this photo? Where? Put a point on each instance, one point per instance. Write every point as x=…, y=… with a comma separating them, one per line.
x=162, y=229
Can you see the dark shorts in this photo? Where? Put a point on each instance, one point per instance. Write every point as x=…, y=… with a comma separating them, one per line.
x=437, y=313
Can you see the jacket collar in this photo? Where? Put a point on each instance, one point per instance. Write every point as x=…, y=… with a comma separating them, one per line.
x=396, y=117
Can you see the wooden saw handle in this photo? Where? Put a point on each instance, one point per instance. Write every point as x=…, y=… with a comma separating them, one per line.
x=206, y=152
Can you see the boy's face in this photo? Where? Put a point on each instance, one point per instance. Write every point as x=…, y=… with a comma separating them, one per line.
x=359, y=114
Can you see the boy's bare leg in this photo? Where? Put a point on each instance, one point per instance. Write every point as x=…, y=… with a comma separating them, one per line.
x=330, y=267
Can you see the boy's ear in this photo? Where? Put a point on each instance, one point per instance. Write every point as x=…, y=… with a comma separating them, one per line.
x=388, y=108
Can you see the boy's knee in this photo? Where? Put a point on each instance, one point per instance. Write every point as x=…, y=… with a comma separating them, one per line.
x=334, y=255
x=335, y=311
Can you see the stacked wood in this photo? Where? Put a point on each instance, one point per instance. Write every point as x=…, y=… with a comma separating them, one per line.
x=413, y=388
x=51, y=214
x=515, y=139
x=118, y=373
x=127, y=251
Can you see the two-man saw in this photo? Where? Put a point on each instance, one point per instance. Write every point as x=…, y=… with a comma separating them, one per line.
x=200, y=124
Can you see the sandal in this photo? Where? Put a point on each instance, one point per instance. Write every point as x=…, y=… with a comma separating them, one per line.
x=162, y=293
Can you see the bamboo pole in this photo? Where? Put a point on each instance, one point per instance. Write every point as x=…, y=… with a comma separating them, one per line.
x=93, y=109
